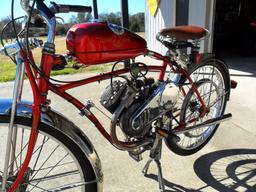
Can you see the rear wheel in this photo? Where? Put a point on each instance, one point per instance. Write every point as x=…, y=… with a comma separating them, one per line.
x=57, y=164
x=211, y=79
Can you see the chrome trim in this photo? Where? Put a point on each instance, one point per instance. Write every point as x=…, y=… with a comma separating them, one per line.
x=51, y=32
x=127, y=146
x=12, y=129
x=17, y=95
x=13, y=49
x=61, y=123
x=10, y=49
x=52, y=26
x=155, y=101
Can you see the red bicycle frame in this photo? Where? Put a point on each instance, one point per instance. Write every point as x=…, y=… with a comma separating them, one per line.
x=40, y=86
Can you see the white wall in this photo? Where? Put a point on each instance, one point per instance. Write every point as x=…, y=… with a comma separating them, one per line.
x=201, y=13
x=165, y=17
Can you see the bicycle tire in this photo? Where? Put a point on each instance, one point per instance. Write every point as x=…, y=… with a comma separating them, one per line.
x=85, y=169
x=173, y=144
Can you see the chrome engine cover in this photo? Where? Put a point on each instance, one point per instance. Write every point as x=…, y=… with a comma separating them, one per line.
x=152, y=108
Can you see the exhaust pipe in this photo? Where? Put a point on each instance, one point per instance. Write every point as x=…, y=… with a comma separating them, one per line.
x=207, y=123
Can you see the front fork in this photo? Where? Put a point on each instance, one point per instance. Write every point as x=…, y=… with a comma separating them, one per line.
x=12, y=129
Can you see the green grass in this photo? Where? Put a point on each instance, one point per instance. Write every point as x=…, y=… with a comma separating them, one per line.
x=7, y=71
x=7, y=68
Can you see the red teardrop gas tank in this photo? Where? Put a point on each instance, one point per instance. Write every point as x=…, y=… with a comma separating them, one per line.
x=101, y=42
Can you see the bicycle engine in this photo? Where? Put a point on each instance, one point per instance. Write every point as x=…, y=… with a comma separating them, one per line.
x=143, y=101
x=115, y=94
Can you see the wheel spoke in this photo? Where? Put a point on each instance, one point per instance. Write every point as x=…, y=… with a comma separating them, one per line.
x=37, y=187
x=15, y=161
x=21, y=145
x=39, y=153
x=20, y=153
x=54, y=165
x=211, y=86
x=45, y=161
x=51, y=169
x=56, y=176
x=63, y=164
x=71, y=186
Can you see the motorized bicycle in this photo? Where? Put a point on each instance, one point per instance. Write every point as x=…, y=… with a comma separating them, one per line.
x=183, y=106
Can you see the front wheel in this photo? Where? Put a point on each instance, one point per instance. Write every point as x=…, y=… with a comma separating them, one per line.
x=212, y=81
x=57, y=164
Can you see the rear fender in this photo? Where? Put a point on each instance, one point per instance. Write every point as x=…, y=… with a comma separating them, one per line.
x=61, y=123
x=210, y=57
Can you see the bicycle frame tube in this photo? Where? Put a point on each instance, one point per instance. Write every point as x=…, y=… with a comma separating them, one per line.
x=44, y=86
x=61, y=91
x=36, y=117
x=40, y=89
x=12, y=130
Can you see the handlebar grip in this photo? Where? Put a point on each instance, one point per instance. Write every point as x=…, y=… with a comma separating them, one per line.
x=60, y=8
x=79, y=8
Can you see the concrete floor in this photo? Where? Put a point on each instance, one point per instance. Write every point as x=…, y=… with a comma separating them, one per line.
x=227, y=163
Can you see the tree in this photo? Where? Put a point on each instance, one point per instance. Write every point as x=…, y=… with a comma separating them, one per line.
x=81, y=17
x=134, y=26
x=72, y=19
x=9, y=32
x=61, y=29
x=114, y=18
x=137, y=22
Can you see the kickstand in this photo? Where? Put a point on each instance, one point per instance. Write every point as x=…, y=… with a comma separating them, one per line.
x=155, y=155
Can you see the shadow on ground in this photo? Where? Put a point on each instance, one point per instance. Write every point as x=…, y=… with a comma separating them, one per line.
x=228, y=170
x=172, y=187
x=231, y=170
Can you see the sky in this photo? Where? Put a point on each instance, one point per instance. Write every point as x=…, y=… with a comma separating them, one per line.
x=106, y=6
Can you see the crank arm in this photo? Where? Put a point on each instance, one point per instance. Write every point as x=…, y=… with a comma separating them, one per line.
x=209, y=122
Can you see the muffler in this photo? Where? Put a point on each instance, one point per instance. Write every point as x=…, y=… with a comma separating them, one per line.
x=207, y=123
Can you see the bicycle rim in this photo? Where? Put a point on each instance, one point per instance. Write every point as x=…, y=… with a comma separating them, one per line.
x=213, y=93
x=54, y=165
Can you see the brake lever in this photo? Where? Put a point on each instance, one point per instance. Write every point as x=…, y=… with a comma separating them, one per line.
x=60, y=18
x=54, y=7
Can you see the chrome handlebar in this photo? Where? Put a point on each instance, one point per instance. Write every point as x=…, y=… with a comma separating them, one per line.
x=56, y=8
x=48, y=14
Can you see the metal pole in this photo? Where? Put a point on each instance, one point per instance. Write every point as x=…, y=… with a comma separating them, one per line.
x=125, y=13
x=95, y=9
x=125, y=22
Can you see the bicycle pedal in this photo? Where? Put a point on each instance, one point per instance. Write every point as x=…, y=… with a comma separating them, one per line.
x=137, y=158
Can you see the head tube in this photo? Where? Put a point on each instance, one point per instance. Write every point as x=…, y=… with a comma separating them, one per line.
x=49, y=18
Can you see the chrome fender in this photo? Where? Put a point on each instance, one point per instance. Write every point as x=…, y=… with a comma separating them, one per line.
x=61, y=123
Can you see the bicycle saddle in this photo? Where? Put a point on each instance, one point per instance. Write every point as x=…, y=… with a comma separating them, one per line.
x=184, y=33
